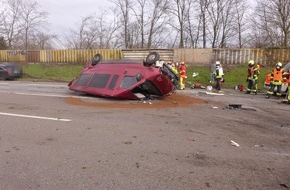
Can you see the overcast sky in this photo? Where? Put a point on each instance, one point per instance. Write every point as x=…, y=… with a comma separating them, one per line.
x=64, y=14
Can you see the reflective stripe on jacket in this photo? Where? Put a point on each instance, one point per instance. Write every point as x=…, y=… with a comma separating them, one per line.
x=219, y=73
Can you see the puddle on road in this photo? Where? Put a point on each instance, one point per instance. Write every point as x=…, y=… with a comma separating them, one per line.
x=174, y=100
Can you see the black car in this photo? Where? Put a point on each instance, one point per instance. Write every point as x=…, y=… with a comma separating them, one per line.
x=14, y=70
x=3, y=73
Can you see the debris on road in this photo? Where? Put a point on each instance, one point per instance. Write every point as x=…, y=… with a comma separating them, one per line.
x=234, y=143
x=214, y=93
x=284, y=185
x=197, y=86
x=195, y=74
x=240, y=87
x=234, y=106
x=239, y=107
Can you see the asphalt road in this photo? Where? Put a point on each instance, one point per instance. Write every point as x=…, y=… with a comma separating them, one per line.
x=48, y=142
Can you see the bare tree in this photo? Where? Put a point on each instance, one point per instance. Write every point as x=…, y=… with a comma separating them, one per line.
x=158, y=19
x=192, y=25
x=32, y=18
x=41, y=41
x=10, y=26
x=106, y=31
x=3, y=44
x=180, y=11
x=228, y=23
x=93, y=32
x=240, y=8
x=20, y=20
x=147, y=22
x=273, y=21
x=203, y=5
x=78, y=37
x=140, y=12
x=154, y=24
x=220, y=22
x=124, y=7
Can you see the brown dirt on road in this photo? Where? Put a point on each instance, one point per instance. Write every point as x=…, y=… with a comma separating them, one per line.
x=174, y=100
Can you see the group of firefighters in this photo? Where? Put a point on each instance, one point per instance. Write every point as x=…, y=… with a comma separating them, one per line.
x=179, y=69
x=278, y=76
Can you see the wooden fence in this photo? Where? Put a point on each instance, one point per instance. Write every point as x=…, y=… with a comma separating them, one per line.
x=58, y=56
x=190, y=56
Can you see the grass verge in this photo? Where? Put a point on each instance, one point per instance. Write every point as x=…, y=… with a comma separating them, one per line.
x=234, y=74
x=51, y=72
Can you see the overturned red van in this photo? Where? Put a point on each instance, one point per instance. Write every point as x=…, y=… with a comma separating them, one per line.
x=126, y=79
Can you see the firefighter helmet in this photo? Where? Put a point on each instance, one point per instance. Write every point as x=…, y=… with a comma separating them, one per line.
x=217, y=64
x=279, y=64
x=251, y=63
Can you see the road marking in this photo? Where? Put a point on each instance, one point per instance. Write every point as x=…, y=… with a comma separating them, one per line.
x=48, y=85
x=35, y=94
x=34, y=117
x=54, y=95
x=39, y=84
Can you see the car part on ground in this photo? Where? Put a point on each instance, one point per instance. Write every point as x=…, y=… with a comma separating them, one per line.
x=126, y=79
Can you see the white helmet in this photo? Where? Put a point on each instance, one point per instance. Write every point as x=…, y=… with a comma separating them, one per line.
x=251, y=63
x=279, y=64
x=217, y=64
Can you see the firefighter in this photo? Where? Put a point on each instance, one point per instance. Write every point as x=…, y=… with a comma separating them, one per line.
x=287, y=76
x=169, y=64
x=252, y=77
x=218, y=75
x=288, y=93
x=174, y=68
x=277, y=77
x=182, y=73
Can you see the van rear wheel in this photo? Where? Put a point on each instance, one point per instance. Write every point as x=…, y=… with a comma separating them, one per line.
x=152, y=58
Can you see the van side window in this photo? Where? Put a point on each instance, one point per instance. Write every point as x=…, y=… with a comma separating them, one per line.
x=128, y=81
x=83, y=79
x=99, y=80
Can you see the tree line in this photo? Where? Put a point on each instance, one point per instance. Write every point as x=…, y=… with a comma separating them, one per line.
x=146, y=24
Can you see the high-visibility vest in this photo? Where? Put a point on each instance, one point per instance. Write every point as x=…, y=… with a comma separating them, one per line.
x=288, y=93
x=182, y=71
x=253, y=73
x=174, y=69
x=219, y=72
x=276, y=75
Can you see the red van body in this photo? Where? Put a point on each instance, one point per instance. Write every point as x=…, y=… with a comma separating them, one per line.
x=125, y=80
